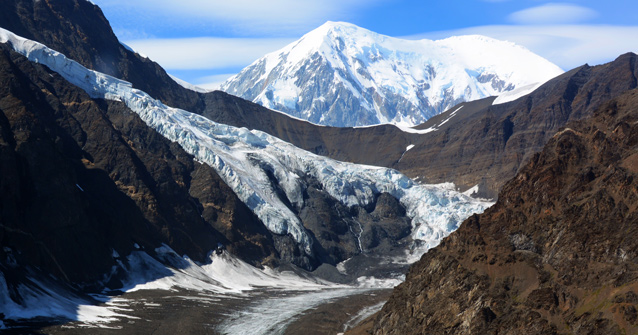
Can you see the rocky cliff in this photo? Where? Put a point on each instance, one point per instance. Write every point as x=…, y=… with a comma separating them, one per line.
x=555, y=255
x=79, y=30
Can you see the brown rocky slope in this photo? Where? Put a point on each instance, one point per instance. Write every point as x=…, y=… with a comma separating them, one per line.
x=557, y=254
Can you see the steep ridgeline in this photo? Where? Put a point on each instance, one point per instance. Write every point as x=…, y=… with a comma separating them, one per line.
x=93, y=169
x=557, y=254
x=343, y=75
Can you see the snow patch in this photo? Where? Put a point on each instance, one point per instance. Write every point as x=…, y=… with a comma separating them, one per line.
x=406, y=150
x=409, y=129
x=44, y=299
x=473, y=190
x=516, y=93
x=450, y=117
x=223, y=274
x=374, y=282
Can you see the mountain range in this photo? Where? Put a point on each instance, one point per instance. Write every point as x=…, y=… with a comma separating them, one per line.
x=111, y=169
x=343, y=75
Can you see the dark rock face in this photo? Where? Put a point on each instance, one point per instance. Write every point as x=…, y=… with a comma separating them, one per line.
x=555, y=255
x=343, y=232
x=81, y=178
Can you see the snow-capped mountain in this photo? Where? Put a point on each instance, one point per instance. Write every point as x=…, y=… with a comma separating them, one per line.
x=343, y=75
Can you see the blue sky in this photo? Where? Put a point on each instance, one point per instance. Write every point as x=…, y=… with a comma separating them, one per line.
x=206, y=41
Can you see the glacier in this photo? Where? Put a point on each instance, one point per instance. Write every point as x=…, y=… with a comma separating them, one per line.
x=243, y=158
x=343, y=75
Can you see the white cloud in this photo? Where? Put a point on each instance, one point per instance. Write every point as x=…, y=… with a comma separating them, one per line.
x=207, y=52
x=553, y=13
x=567, y=46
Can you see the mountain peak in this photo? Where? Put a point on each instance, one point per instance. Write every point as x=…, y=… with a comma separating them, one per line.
x=332, y=36
x=343, y=75
x=336, y=25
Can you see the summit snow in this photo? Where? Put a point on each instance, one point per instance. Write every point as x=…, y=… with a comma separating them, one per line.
x=343, y=75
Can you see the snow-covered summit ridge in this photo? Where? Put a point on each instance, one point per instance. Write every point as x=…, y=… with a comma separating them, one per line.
x=241, y=157
x=343, y=75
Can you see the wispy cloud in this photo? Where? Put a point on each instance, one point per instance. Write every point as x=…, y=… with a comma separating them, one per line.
x=567, y=46
x=206, y=52
x=553, y=13
x=244, y=17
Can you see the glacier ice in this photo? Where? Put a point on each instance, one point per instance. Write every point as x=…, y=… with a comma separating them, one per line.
x=242, y=157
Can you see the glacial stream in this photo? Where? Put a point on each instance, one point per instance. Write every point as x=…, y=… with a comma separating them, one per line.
x=275, y=314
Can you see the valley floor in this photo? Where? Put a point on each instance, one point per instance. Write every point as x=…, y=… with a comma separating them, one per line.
x=328, y=311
